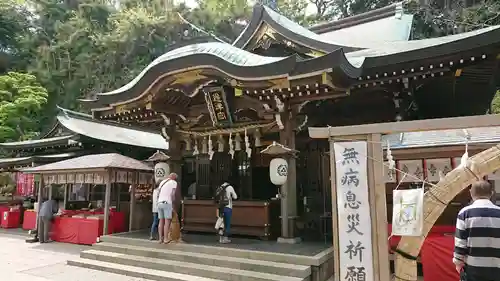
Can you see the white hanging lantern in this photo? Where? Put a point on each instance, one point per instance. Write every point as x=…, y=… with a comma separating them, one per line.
x=162, y=170
x=278, y=171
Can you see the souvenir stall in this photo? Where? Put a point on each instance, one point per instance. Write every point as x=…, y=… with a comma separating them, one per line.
x=88, y=215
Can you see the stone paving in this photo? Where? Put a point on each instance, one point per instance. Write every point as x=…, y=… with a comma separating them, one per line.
x=21, y=261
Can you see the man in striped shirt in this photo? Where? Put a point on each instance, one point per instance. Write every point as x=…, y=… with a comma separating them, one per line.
x=477, y=238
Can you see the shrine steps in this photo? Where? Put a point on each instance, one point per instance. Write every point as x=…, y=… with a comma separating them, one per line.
x=149, y=260
x=197, y=259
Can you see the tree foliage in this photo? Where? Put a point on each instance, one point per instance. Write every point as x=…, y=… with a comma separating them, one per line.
x=21, y=102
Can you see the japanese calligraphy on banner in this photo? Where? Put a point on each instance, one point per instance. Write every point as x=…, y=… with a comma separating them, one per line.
x=217, y=106
x=354, y=218
x=25, y=184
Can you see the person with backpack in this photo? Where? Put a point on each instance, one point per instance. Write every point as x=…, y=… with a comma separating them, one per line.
x=224, y=196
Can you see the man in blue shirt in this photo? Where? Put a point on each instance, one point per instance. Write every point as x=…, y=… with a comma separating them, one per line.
x=45, y=216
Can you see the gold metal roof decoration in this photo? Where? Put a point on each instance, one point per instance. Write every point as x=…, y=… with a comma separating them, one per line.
x=277, y=149
x=158, y=156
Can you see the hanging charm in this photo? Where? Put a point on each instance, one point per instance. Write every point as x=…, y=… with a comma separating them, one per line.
x=195, y=149
x=204, y=146
x=188, y=143
x=257, y=136
x=465, y=156
x=220, y=143
x=237, y=142
x=390, y=158
x=248, y=150
x=231, y=145
x=210, y=148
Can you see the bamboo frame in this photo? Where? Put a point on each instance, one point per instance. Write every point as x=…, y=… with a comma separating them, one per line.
x=453, y=183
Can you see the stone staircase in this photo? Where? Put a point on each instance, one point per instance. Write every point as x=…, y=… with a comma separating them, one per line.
x=190, y=262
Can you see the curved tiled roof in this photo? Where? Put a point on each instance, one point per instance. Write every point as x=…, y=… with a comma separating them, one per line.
x=115, y=133
x=284, y=26
x=228, y=60
x=404, y=51
x=93, y=161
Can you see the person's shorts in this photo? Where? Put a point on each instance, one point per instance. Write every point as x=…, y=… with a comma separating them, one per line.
x=165, y=211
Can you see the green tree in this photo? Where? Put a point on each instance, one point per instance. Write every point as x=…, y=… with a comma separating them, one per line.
x=22, y=100
x=14, y=25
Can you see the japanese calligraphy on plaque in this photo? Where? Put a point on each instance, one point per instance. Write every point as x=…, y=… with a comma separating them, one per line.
x=413, y=168
x=217, y=106
x=434, y=166
x=354, y=217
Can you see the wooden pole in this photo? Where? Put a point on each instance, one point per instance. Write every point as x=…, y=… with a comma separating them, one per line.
x=132, y=207
x=335, y=219
x=107, y=199
x=39, y=201
x=65, y=201
x=380, y=206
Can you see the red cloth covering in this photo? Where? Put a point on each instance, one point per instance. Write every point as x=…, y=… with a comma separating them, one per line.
x=437, y=230
x=29, y=220
x=116, y=222
x=436, y=256
x=11, y=219
x=76, y=230
x=82, y=230
x=25, y=184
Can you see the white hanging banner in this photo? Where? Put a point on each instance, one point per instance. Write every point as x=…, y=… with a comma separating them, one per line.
x=354, y=217
x=408, y=212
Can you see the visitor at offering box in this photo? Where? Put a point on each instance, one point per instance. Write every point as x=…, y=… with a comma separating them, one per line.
x=166, y=197
x=477, y=239
x=47, y=211
x=154, y=226
x=224, y=196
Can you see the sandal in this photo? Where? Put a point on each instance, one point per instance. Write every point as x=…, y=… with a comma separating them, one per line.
x=167, y=242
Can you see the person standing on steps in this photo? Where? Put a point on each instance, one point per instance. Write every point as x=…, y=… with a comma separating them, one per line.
x=166, y=197
x=156, y=221
x=225, y=195
x=477, y=238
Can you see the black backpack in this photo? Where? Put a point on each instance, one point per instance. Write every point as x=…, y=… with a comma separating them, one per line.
x=220, y=195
